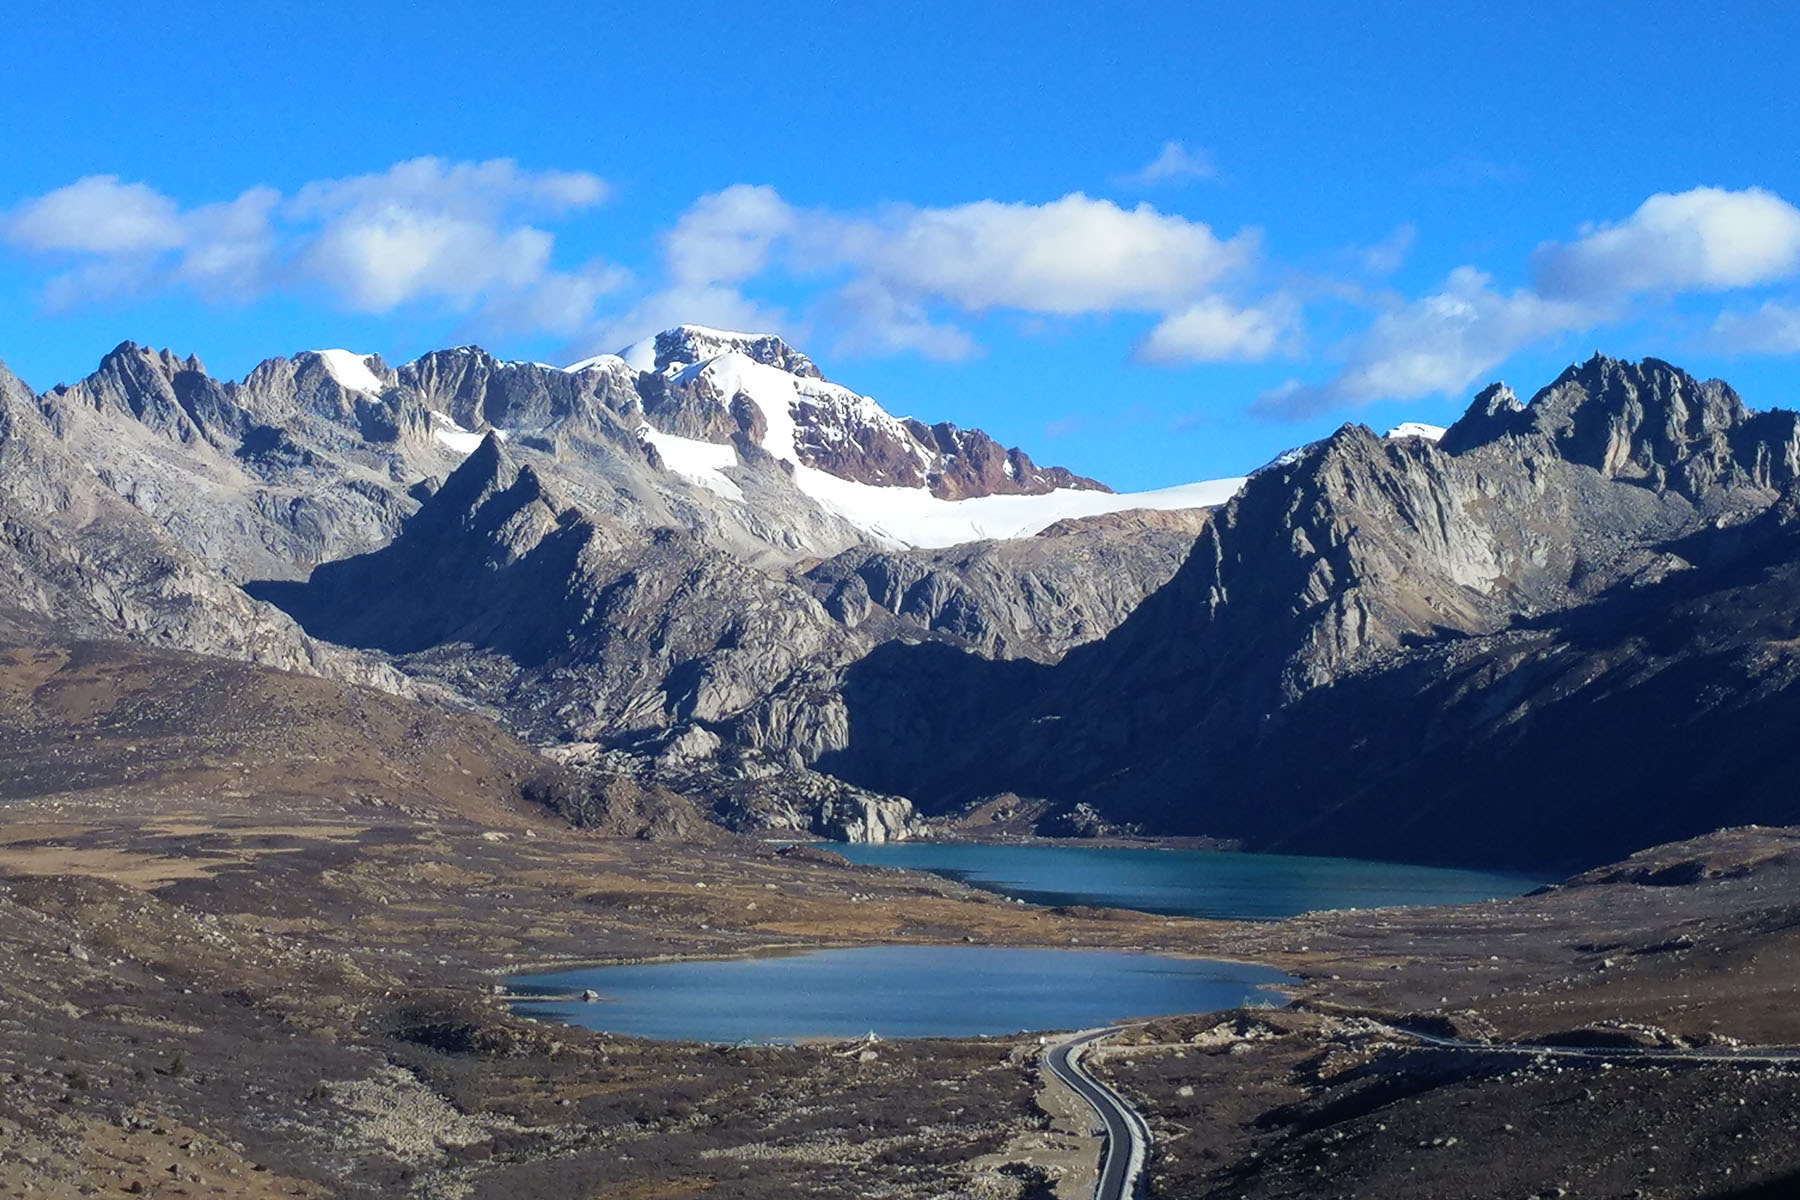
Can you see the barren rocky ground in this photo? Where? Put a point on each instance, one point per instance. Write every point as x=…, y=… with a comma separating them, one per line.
x=252, y=926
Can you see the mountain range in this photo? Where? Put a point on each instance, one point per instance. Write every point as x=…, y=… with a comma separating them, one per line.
x=1551, y=634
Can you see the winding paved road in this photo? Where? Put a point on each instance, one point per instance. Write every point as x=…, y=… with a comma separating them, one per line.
x=1127, y=1137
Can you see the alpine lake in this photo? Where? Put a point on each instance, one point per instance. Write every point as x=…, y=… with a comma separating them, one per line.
x=970, y=991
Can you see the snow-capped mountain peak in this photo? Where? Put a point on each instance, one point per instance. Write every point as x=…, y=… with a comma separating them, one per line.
x=689, y=345
x=901, y=481
x=691, y=397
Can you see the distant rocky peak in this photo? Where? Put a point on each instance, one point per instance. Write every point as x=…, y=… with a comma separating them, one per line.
x=130, y=371
x=487, y=470
x=1497, y=399
x=689, y=345
x=157, y=388
x=1495, y=412
x=1647, y=422
x=967, y=463
x=1652, y=395
x=131, y=359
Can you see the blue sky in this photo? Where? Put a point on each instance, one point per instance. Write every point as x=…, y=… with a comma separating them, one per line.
x=1154, y=242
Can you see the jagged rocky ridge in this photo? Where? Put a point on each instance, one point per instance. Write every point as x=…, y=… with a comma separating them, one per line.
x=1556, y=634
x=1563, y=632
x=512, y=535
x=75, y=554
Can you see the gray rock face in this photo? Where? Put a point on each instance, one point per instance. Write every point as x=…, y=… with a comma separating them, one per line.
x=688, y=344
x=78, y=556
x=1346, y=586
x=263, y=479
x=514, y=534
x=746, y=791
x=1646, y=422
x=1026, y=598
x=611, y=635
x=967, y=463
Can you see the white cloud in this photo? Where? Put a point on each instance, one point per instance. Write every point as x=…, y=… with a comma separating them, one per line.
x=1069, y=256
x=879, y=322
x=720, y=242
x=425, y=231
x=1174, y=163
x=478, y=191
x=1389, y=254
x=899, y=275
x=1214, y=330
x=1772, y=329
x=728, y=236
x=1706, y=239
x=377, y=263
x=1440, y=343
x=96, y=215
x=229, y=250
x=560, y=302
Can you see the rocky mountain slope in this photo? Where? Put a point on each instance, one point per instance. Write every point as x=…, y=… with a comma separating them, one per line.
x=75, y=553
x=1557, y=633
x=700, y=564
x=664, y=559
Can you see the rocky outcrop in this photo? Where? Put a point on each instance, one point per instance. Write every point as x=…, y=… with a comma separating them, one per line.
x=1645, y=422
x=1029, y=597
x=967, y=463
x=618, y=806
x=1328, y=622
x=262, y=479
x=745, y=790
x=685, y=345
x=77, y=555
x=712, y=386
x=596, y=632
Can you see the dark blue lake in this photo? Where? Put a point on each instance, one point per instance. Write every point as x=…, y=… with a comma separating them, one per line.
x=1188, y=883
x=894, y=991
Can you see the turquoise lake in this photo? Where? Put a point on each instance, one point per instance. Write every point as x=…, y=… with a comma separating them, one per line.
x=964, y=991
x=1188, y=883
x=893, y=991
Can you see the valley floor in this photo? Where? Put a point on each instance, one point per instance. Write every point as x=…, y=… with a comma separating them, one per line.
x=300, y=1000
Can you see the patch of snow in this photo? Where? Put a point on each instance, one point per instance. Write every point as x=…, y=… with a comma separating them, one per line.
x=771, y=389
x=463, y=441
x=351, y=370
x=1286, y=458
x=903, y=516
x=1419, y=429
x=702, y=462
x=785, y=400
x=639, y=356
x=723, y=335
x=900, y=516
x=599, y=362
